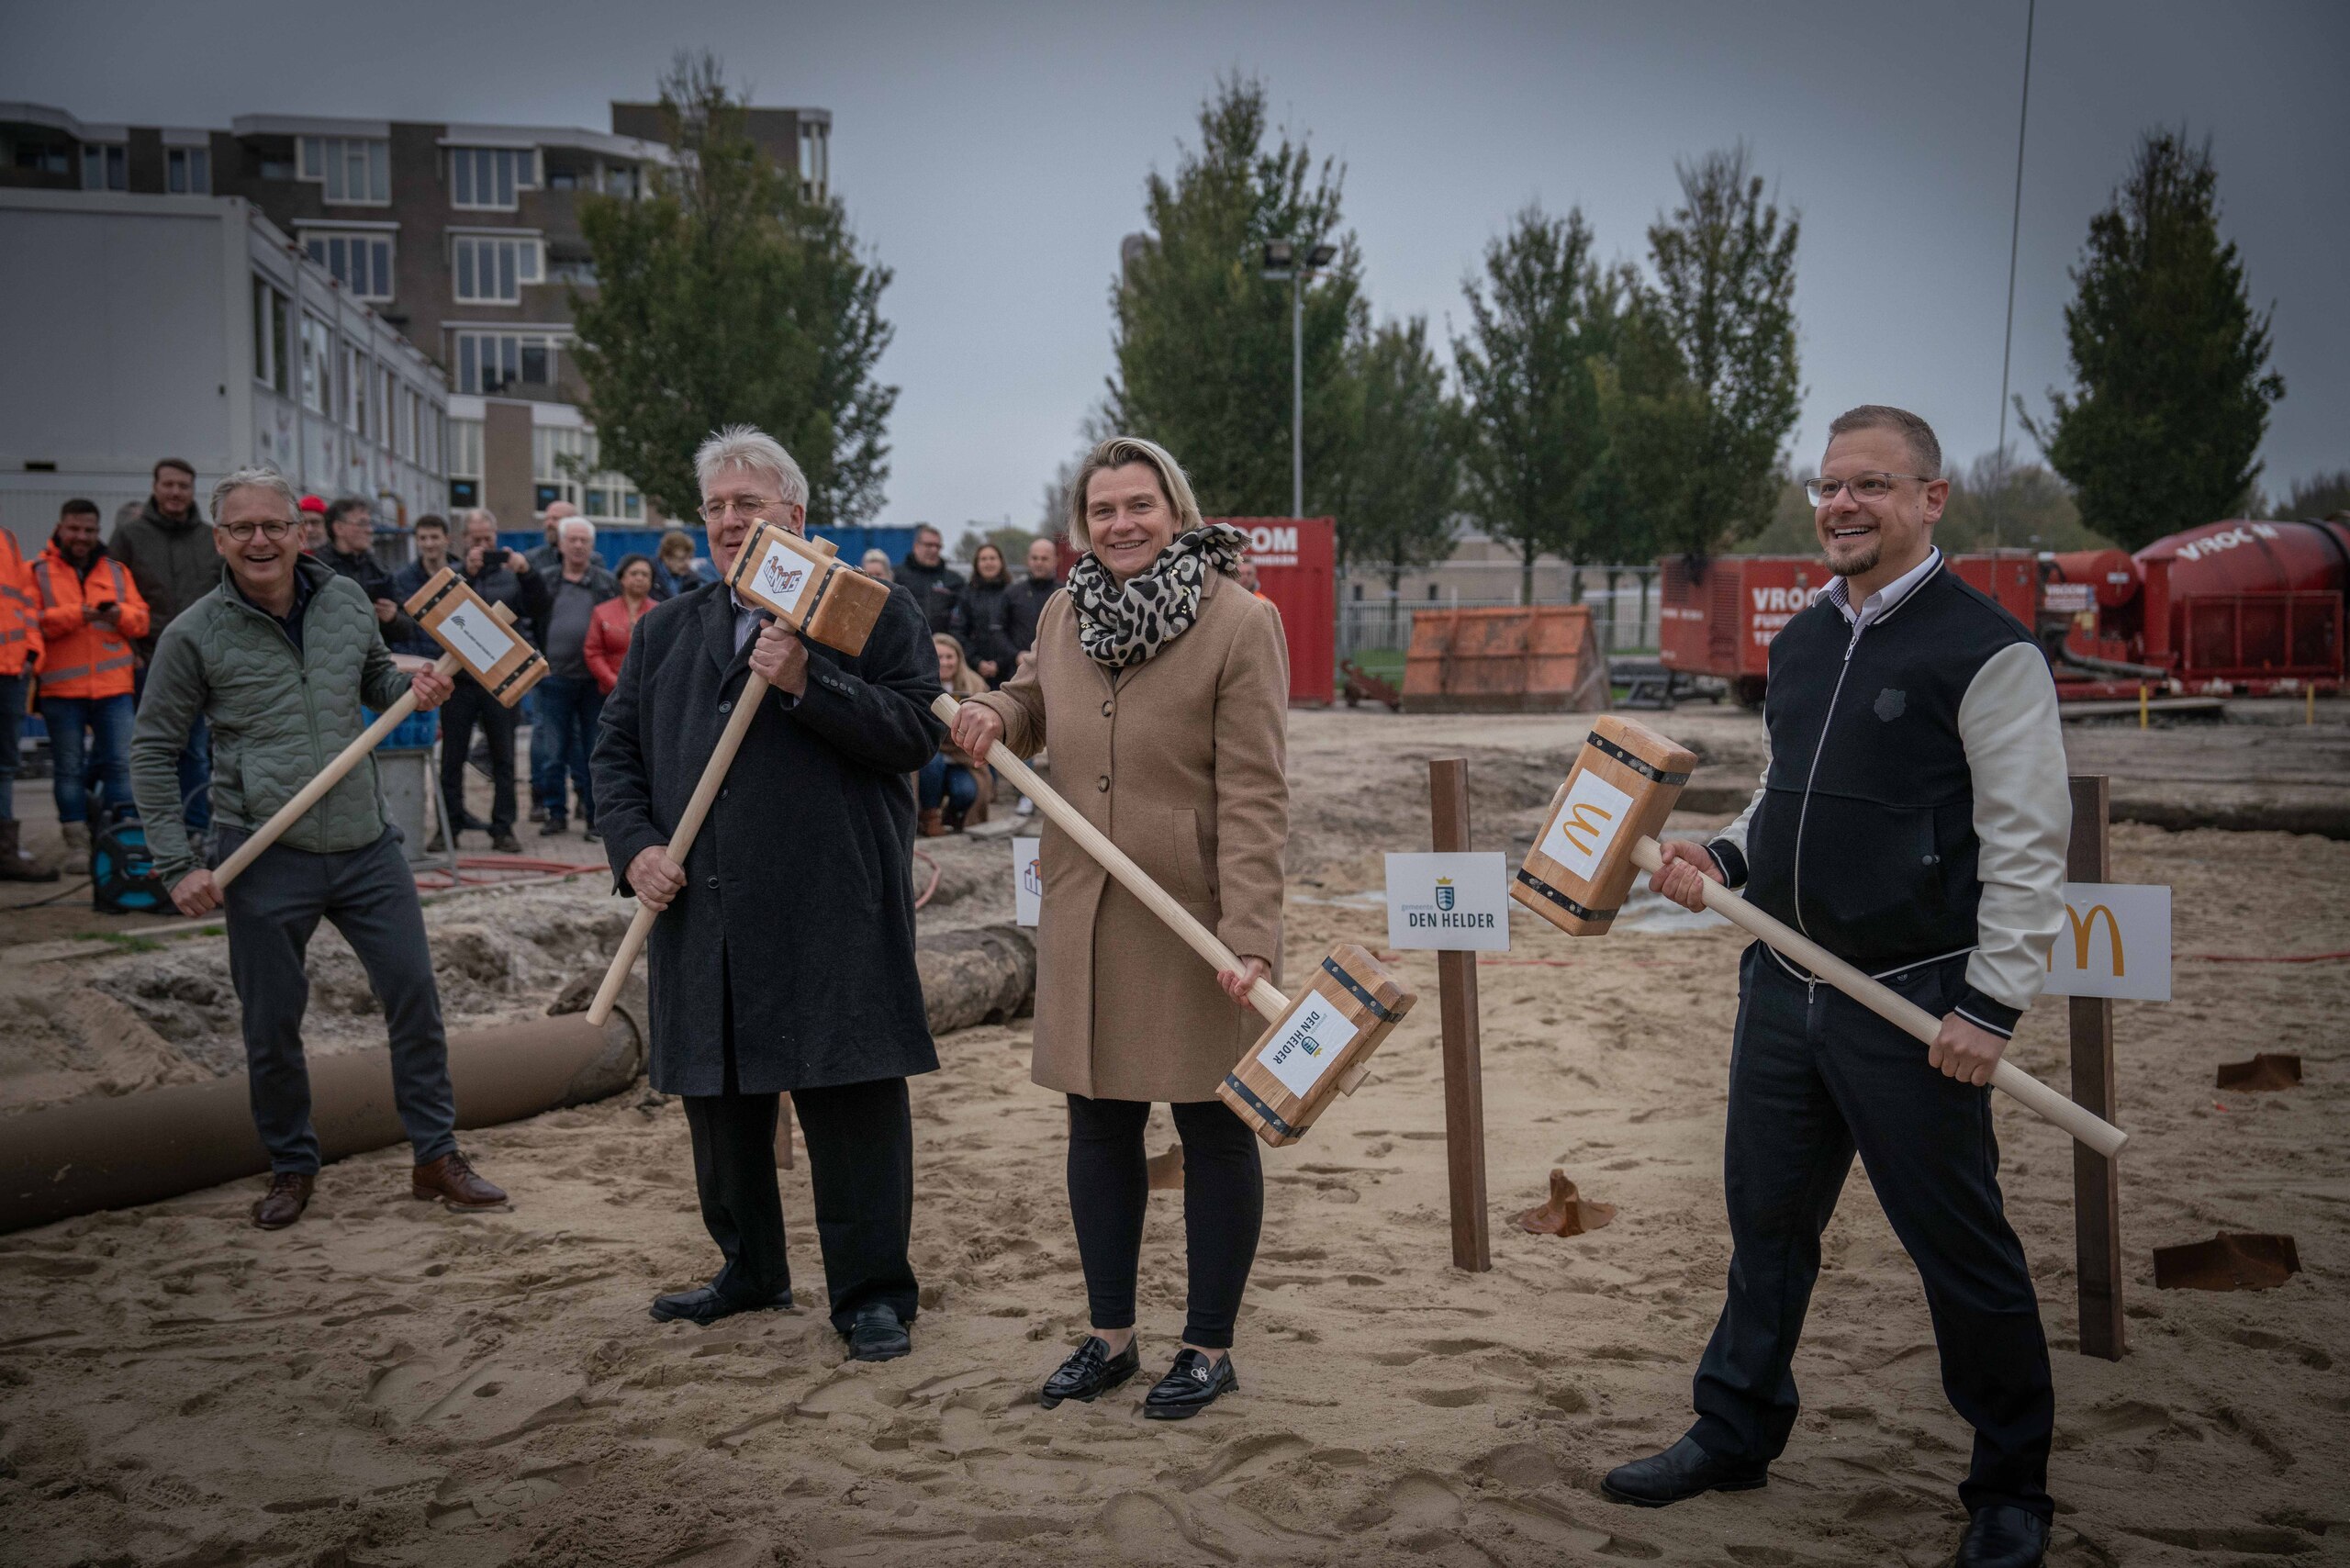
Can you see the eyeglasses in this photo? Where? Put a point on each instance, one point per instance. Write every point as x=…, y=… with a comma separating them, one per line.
x=243, y=533
x=1863, y=486
x=749, y=506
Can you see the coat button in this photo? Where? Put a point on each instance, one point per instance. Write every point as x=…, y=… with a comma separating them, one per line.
x=727, y=706
x=1105, y=708
x=1102, y=783
x=713, y=883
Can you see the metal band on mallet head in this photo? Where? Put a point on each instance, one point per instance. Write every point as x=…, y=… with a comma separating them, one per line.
x=1601, y=832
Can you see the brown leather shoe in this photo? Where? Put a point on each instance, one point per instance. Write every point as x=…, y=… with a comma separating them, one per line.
x=455, y=1181
x=288, y=1196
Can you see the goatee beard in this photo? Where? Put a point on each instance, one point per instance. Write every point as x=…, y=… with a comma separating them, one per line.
x=1866, y=561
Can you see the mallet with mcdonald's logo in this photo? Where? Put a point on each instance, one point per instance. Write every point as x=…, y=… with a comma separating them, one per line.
x=1601, y=830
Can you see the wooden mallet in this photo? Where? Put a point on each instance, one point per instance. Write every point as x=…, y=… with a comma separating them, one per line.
x=1601, y=831
x=478, y=637
x=1319, y=1045
x=801, y=583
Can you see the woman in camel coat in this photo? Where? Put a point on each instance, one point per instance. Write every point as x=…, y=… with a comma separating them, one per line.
x=1161, y=687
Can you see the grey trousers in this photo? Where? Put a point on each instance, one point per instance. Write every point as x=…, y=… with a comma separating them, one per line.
x=371, y=896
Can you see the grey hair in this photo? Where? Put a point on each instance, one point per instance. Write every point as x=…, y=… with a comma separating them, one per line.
x=465, y=518
x=260, y=477
x=1116, y=452
x=1924, y=450
x=565, y=524
x=745, y=446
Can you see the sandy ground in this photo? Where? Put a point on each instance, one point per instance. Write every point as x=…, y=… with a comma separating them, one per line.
x=387, y=1383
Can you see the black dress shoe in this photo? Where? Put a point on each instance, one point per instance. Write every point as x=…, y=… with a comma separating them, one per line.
x=2003, y=1536
x=1091, y=1373
x=704, y=1304
x=1680, y=1472
x=1191, y=1385
x=876, y=1335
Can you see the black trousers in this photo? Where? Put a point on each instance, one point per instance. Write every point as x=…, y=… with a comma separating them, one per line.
x=468, y=706
x=1814, y=1076
x=861, y=1141
x=1224, y=1208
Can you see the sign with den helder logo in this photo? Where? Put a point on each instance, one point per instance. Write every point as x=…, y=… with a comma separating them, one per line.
x=1317, y=1031
x=1453, y=902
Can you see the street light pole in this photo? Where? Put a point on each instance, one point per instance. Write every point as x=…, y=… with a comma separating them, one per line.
x=1287, y=260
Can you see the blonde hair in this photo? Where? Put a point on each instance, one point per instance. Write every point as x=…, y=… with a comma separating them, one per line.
x=1116, y=452
x=967, y=682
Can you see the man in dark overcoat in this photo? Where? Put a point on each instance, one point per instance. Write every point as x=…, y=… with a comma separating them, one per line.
x=784, y=957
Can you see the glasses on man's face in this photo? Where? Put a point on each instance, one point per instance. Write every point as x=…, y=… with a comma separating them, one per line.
x=1872, y=486
x=243, y=533
x=749, y=506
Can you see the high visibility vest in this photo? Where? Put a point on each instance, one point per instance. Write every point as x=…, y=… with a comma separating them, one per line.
x=20, y=638
x=86, y=658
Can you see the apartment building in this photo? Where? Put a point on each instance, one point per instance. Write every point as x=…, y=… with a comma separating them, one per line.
x=465, y=238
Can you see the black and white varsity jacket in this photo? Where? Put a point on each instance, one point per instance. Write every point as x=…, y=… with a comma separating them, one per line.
x=1914, y=805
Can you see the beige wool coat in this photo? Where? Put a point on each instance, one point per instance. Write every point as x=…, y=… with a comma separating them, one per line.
x=1179, y=761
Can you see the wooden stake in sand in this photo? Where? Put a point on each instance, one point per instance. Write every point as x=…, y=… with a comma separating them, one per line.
x=2097, y=1181
x=478, y=637
x=1464, y=1089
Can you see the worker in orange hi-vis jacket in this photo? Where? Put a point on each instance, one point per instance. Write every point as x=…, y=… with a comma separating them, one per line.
x=91, y=613
x=21, y=654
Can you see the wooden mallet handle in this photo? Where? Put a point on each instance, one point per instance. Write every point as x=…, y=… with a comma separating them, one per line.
x=1911, y=1019
x=310, y=794
x=1263, y=996
x=713, y=775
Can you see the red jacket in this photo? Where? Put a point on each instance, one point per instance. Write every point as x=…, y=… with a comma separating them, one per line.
x=609, y=627
x=20, y=638
x=86, y=658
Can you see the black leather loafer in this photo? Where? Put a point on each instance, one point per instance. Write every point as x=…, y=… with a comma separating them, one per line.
x=2003, y=1536
x=876, y=1335
x=1090, y=1372
x=1680, y=1472
x=1191, y=1385
x=705, y=1305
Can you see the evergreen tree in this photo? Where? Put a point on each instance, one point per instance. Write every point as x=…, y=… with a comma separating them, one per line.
x=1204, y=340
x=2172, y=394
x=1541, y=322
x=726, y=297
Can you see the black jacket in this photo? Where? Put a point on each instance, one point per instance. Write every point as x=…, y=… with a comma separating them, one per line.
x=173, y=563
x=982, y=623
x=376, y=583
x=796, y=925
x=935, y=590
x=1025, y=604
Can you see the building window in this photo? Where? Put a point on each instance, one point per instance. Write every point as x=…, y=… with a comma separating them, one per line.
x=269, y=337
x=580, y=274
x=465, y=462
x=43, y=157
x=187, y=171
x=354, y=170
x=106, y=167
x=491, y=363
x=361, y=263
x=624, y=180
x=317, y=364
x=564, y=464
x=488, y=177
x=493, y=271
x=411, y=405
x=355, y=387
x=815, y=158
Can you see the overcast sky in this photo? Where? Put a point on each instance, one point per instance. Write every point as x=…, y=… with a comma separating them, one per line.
x=994, y=155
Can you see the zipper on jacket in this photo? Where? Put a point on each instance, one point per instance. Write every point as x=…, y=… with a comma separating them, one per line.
x=1803, y=812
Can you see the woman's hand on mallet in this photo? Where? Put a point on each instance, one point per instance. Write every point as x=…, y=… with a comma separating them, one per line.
x=1237, y=983
x=1684, y=871
x=655, y=878
x=976, y=729
x=432, y=689
x=780, y=658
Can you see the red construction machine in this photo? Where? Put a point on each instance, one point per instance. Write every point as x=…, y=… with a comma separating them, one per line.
x=2234, y=607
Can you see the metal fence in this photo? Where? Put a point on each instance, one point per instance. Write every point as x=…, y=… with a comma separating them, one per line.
x=1625, y=621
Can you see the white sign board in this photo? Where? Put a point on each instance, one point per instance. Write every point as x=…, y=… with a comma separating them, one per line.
x=1456, y=902
x=1027, y=881
x=476, y=636
x=1308, y=1043
x=1588, y=820
x=783, y=576
x=2115, y=942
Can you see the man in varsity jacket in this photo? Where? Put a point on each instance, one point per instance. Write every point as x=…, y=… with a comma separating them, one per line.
x=1913, y=820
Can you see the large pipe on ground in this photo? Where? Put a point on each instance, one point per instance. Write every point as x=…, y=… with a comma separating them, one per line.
x=111, y=1152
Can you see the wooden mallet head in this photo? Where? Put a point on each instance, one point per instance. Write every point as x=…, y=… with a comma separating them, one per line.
x=804, y=584
x=476, y=636
x=1624, y=784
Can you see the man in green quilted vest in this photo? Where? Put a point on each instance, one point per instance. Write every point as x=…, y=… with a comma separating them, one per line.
x=278, y=659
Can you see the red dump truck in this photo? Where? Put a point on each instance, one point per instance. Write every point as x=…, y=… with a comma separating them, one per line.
x=2240, y=607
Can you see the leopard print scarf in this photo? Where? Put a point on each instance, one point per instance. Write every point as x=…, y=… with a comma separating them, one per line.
x=1118, y=626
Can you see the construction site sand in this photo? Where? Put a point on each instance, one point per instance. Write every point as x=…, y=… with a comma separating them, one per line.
x=387, y=1383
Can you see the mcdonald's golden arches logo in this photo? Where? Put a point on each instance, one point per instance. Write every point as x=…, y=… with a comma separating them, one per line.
x=1581, y=823
x=2084, y=932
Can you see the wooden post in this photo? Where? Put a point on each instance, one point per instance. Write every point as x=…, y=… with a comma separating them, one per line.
x=1464, y=1091
x=2097, y=1193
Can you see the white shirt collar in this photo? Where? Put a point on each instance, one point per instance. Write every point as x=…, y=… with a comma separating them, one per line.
x=1883, y=599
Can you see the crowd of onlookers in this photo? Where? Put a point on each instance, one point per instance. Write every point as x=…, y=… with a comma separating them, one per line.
x=78, y=624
